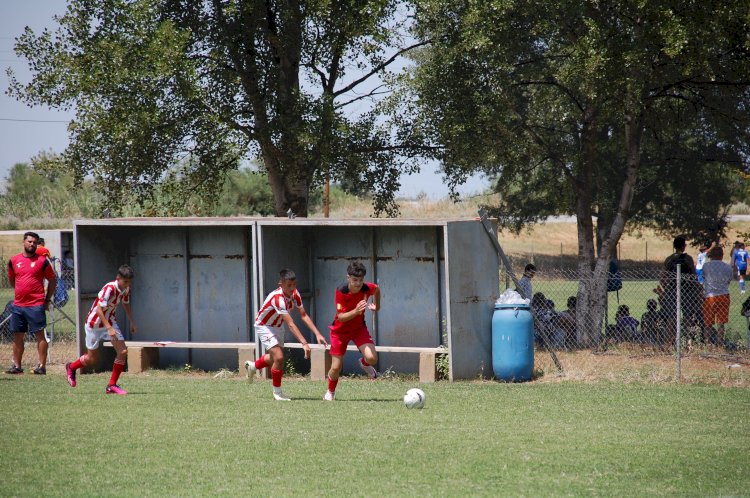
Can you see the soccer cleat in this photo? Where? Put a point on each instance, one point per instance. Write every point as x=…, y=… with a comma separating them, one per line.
x=71, y=374
x=250, y=370
x=40, y=370
x=115, y=389
x=329, y=396
x=14, y=370
x=280, y=396
x=369, y=370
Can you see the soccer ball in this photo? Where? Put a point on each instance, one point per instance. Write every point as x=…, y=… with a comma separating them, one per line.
x=414, y=398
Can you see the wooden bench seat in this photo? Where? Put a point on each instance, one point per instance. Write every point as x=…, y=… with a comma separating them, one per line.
x=143, y=355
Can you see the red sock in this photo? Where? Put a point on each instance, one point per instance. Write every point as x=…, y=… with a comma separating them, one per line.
x=117, y=369
x=260, y=363
x=362, y=360
x=332, y=384
x=80, y=362
x=276, y=377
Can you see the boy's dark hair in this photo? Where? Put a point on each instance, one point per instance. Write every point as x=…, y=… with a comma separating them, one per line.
x=651, y=304
x=572, y=302
x=287, y=274
x=356, y=269
x=125, y=271
x=529, y=267
x=679, y=243
x=32, y=234
x=40, y=241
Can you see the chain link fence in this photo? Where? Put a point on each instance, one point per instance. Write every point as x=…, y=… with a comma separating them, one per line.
x=643, y=311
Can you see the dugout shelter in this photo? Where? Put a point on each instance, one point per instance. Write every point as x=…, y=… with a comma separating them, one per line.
x=203, y=280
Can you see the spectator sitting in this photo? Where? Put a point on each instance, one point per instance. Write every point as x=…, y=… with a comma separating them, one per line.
x=627, y=326
x=542, y=326
x=652, y=323
x=567, y=322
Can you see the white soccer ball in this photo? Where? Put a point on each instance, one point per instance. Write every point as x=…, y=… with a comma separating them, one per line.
x=414, y=398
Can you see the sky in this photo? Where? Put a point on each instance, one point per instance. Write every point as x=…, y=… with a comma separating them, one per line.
x=26, y=131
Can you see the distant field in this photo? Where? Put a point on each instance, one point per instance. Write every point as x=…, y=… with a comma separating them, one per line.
x=195, y=435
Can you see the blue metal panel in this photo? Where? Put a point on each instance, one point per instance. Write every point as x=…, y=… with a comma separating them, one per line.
x=473, y=288
x=217, y=267
x=160, y=288
x=407, y=272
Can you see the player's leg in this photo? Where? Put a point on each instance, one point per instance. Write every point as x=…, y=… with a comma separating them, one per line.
x=90, y=357
x=337, y=352
x=269, y=339
x=742, y=272
x=708, y=318
x=19, y=326
x=277, y=372
x=366, y=346
x=42, y=346
x=118, y=342
x=722, y=317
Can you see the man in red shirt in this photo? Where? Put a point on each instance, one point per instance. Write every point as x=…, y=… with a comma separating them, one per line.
x=42, y=250
x=349, y=325
x=26, y=273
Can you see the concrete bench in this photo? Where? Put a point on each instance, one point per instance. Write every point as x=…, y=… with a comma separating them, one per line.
x=320, y=359
x=143, y=355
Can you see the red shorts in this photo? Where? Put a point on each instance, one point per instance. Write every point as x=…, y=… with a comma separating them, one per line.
x=716, y=309
x=339, y=340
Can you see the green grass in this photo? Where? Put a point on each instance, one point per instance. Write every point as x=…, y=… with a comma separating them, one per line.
x=182, y=435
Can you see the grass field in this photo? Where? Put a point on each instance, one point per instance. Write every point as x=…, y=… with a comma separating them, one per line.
x=196, y=435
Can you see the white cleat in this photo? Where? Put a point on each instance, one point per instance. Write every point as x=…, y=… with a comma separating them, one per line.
x=280, y=396
x=250, y=370
x=329, y=396
x=369, y=370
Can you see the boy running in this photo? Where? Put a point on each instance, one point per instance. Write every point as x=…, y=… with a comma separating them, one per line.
x=274, y=313
x=101, y=324
x=349, y=325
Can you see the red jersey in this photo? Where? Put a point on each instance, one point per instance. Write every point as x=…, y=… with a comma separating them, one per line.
x=26, y=275
x=275, y=305
x=43, y=251
x=108, y=298
x=347, y=301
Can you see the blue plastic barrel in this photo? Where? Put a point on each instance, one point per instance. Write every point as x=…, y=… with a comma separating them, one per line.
x=513, y=342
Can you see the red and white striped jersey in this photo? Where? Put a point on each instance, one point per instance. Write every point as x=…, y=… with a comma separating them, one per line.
x=108, y=298
x=275, y=305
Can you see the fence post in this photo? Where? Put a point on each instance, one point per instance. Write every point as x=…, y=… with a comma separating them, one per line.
x=678, y=312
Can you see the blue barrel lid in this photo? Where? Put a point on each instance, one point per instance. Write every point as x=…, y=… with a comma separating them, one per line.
x=512, y=306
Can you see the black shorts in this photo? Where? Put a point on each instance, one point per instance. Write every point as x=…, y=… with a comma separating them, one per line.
x=27, y=319
x=742, y=271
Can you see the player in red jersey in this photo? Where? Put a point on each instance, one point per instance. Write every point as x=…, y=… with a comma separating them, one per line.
x=101, y=324
x=26, y=273
x=274, y=313
x=349, y=325
x=41, y=250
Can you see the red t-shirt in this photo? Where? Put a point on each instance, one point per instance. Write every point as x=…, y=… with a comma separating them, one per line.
x=347, y=301
x=43, y=251
x=27, y=275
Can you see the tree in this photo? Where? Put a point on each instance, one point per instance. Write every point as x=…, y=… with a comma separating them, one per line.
x=600, y=109
x=154, y=82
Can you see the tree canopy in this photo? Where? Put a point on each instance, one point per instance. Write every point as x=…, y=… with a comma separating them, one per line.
x=191, y=88
x=621, y=110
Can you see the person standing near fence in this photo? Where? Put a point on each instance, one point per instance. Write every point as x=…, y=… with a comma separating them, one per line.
x=740, y=262
x=718, y=276
x=667, y=289
x=26, y=273
x=702, y=259
x=524, y=284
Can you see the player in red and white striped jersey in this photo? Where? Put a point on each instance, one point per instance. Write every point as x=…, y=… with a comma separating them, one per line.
x=101, y=324
x=269, y=322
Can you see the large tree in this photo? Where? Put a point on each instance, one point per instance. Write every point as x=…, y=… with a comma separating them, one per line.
x=200, y=85
x=607, y=110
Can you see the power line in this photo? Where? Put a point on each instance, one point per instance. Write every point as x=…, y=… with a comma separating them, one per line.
x=33, y=120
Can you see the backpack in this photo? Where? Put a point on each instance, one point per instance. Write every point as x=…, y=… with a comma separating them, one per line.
x=746, y=308
x=61, y=297
x=614, y=276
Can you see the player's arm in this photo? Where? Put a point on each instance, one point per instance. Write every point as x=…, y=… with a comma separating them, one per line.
x=311, y=325
x=375, y=305
x=133, y=328
x=11, y=274
x=107, y=325
x=49, y=274
x=296, y=333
